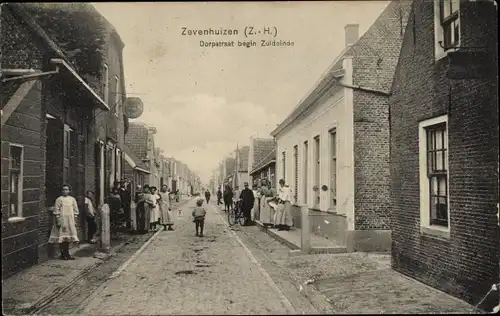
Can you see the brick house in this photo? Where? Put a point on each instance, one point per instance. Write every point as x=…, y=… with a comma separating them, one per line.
x=333, y=149
x=259, y=149
x=242, y=167
x=50, y=124
x=134, y=169
x=265, y=168
x=444, y=149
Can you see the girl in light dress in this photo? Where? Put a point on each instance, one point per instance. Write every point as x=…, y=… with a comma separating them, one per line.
x=64, y=228
x=155, y=215
x=165, y=209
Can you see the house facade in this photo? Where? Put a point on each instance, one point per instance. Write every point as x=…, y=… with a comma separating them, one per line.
x=444, y=150
x=333, y=149
x=242, y=166
x=134, y=170
x=265, y=169
x=52, y=97
x=259, y=149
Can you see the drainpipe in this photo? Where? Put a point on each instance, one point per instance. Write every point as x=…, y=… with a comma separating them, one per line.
x=33, y=75
x=16, y=72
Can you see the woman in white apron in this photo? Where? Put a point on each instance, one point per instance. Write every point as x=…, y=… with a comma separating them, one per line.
x=165, y=209
x=266, y=211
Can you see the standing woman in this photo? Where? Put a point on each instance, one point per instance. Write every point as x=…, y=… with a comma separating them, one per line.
x=148, y=202
x=64, y=229
x=165, y=208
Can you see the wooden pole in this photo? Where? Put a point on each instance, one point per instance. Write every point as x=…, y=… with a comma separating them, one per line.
x=305, y=230
x=105, y=228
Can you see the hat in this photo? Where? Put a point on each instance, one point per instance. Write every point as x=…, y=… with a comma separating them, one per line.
x=282, y=181
x=246, y=183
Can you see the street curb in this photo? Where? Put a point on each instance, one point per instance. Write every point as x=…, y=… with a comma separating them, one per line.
x=284, y=300
x=120, y=269
x=38, y=306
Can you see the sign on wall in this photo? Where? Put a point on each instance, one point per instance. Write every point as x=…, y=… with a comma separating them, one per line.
x=133, y=107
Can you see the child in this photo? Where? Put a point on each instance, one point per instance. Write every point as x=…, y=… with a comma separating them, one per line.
x=64, y=229
x=199, y=217
x=91, y=216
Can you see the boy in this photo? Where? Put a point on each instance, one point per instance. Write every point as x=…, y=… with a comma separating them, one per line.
x=199, y=217
x=91, y=216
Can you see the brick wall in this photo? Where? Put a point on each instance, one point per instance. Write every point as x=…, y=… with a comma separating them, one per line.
x=466, y=264
x=374, y=64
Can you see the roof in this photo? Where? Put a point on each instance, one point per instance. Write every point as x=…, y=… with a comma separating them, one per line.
x=261, y=148
x=137, y=139
x=382, y=39
x=133, y=161
x=78, y=29
x=243, y=158
x=270, y=158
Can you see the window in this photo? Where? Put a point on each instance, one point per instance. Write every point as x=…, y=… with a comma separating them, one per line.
x=333, y=168
x=283, y=166
x=447, y=25
x=433, y=143
x=296, y=172
x=316, y=169
x=118, y=97
x=16, y=164
x=66, y=153
x=305, y=170
x=105, y=83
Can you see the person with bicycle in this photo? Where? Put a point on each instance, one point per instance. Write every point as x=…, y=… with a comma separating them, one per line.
x=236, y=198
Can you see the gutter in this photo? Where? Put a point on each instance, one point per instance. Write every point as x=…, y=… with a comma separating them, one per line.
x=62, y=62
x=143, y=170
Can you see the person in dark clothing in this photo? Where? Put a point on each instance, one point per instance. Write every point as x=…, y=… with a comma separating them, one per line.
x=228, y=198
x=126, y=199
x=219, y=196
x=247, y=200
x=207, y=196
x=90, y=216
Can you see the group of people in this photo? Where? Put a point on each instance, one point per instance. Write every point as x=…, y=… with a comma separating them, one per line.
x=153, y=208
x=243, y=201
x=275, y=207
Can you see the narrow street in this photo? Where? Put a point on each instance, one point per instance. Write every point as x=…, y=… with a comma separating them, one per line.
x=179, y=273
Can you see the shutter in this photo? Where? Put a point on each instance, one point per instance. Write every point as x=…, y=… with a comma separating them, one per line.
x=97, y=149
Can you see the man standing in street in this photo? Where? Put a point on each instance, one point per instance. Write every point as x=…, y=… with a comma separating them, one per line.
x=219, y=196
x=207, y=196
x=247, y=200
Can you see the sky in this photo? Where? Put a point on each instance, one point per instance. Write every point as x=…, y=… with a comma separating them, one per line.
x=206, y=100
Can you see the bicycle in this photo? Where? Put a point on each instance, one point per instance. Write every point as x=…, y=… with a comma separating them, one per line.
x=236, y=215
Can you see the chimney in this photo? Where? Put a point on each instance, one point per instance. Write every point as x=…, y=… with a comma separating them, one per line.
x=351, y=34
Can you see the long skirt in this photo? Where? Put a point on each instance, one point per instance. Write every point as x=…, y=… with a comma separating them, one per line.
x=147, y=214
x=141, y=217
x=256, y=210
x=154, y=214
x=284, y=214
x=66, y=232
x=266, y=211
x=166, y=217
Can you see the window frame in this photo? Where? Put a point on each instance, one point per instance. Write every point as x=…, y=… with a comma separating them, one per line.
x=317, y=170
x=427, y=225
x=283, y=165
x=305, y=173
x=441, y=24
x=117, y=98
x=296, y=172
x=67, y=153
x=105, y=83
x=333, y=168
x=20, y=184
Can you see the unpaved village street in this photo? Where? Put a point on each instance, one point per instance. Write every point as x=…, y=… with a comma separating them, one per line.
x=179, y=273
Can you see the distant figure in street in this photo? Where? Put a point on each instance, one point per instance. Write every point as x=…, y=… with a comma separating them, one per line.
x=219, y=196
x=165, y=209
x=64, y=229
x=247, y=200
x=207, y=195
x=90, y=216
x=228, y=198
x=199, y=217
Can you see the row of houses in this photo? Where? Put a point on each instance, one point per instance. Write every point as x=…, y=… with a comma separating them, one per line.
x=147, y=163
x=65, y=120
x=396, y=146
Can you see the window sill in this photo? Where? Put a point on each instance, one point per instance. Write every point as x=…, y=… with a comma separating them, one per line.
x=16, y=219
x=436, y=232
